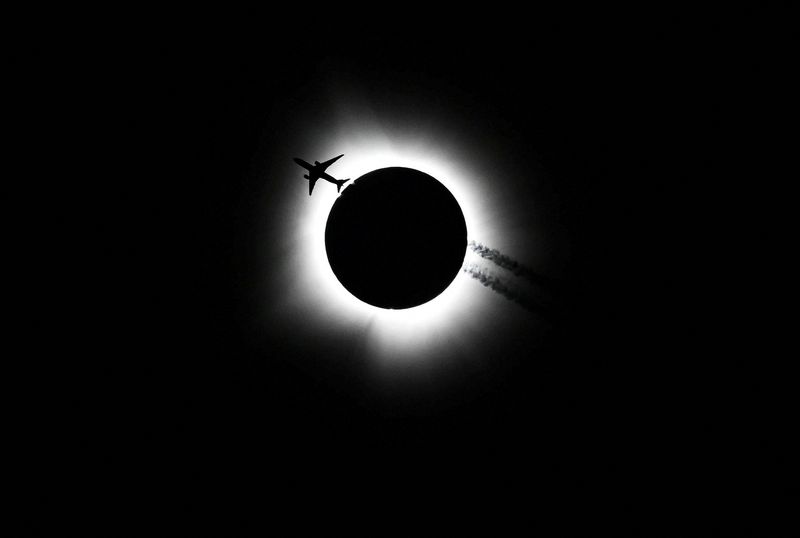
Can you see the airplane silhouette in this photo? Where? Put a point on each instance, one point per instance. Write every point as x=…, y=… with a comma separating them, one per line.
x=317, y=170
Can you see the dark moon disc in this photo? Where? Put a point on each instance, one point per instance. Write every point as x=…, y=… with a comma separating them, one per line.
x=396, y=238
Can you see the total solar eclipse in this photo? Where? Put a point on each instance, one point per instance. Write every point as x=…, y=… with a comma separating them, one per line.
x=396, y=238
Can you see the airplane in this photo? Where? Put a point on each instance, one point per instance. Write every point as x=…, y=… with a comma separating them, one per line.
x=317, y=170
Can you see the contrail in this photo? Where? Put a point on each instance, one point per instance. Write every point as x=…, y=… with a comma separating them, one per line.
x=508, y=263
x=532, y=291
x=497, y=284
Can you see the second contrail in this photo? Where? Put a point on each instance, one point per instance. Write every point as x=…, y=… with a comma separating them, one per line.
x=505, y=288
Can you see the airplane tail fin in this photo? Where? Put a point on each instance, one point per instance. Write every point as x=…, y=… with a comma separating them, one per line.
x=340, y=182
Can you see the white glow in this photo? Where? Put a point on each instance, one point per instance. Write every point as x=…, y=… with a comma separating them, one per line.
x=398, y=341
x=409, y=334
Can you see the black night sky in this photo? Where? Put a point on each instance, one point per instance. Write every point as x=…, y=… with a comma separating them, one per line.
x=190, y=410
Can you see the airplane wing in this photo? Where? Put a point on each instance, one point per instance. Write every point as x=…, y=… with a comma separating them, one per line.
x=311, y=183
x=326, y=164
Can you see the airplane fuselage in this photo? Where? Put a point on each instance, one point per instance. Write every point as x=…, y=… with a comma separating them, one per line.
x=314, y=171
x=318, y=171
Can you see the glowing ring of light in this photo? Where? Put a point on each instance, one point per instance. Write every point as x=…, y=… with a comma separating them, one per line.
x=396, y=339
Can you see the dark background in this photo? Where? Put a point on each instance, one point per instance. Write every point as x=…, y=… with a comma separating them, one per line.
x=633, y=417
